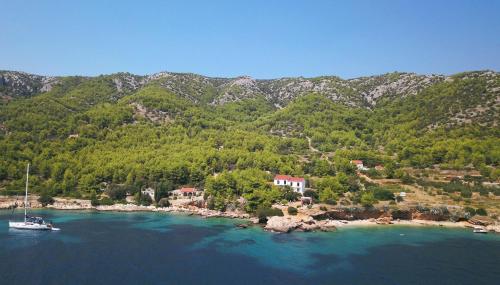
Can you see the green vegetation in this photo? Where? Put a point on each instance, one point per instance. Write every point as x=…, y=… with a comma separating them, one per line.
x=85, y=138
x=264, y=212
x=45, y=199
x=481, y=212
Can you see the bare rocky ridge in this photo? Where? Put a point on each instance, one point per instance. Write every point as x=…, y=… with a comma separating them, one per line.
x=21, y=84
x=357, y=92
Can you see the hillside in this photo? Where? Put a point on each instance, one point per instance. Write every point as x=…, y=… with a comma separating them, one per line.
x=361, y=92
x=83, y=134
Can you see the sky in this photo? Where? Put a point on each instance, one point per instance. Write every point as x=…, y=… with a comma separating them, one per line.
x=262, y=39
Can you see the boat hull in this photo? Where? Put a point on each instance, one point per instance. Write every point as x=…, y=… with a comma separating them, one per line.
x=29, y=226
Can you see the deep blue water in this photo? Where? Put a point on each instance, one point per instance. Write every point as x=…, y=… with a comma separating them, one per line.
x=156, y=248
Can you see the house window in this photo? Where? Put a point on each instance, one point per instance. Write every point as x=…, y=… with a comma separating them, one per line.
x=298, y=184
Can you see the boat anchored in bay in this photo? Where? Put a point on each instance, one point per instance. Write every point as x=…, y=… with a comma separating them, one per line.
x=31, y=223
x=480, y=230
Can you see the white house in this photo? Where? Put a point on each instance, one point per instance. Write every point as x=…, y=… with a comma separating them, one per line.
x=150, y=192
x=359, y=164
x=298, y=184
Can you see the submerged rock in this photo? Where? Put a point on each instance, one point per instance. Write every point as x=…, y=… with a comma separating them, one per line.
x=242, y=226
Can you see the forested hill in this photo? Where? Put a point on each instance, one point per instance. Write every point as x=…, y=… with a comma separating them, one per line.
x=84, y=132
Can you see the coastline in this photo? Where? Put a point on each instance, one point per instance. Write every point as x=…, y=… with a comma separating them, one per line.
x=285, y=223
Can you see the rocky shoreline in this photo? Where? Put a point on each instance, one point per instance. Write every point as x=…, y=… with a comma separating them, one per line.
x=281, y=224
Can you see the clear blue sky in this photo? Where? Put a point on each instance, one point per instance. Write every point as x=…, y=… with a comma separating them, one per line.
x=263, y=39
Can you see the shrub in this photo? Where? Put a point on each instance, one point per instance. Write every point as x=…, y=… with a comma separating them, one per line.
x=164, y=202
x=93, y=200
x=470, y=210
x=496, y=191
x=373, y=173
x=144, y=200
x=481, y=212
x=312, y=194
x=106, y=201
x=466, y=193
x=262, y=213
x=383, y=194
x=407, y=179
x=292, y=211
x=290, y=195
x=401, y=214
x=45, y=199
x=116, y=192
x=367, y=200
x=323, y=208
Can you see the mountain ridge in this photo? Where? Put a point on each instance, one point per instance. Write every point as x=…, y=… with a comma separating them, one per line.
x=358, y=92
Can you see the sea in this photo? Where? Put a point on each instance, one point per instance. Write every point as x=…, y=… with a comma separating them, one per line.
x=163, y=248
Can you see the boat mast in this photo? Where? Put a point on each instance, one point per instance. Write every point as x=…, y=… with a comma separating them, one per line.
x=26, y=195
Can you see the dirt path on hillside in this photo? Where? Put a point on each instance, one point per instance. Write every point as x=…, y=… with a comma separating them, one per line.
x=309, y=141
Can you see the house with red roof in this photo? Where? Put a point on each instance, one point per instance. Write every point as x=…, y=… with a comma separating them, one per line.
x=359, y=164
x=186, y=192
x=298, y=184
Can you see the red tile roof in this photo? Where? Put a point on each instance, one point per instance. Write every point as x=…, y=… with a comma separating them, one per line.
x=289, y=178
x=357, y=161
x=296, y=179
x=282, y=177
x=188, y=190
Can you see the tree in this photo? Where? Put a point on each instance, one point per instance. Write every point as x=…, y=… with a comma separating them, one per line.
x=289, y=194
x=69, y=181
x=93, y=199
x=116, y=192
x=163, y=189
x=45, y=199
x=143, y=199
x=312, y=194
x=328, y=196
x=367, y=199
x=164, y=202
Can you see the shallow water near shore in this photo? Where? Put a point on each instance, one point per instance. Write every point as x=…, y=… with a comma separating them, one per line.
x=162, y=248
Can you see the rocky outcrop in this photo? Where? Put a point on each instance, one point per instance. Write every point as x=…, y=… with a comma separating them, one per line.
x=21, y=84
x=291, y=223
x=281, y=224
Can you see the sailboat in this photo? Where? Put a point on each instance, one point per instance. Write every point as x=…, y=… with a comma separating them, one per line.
x=31, y=223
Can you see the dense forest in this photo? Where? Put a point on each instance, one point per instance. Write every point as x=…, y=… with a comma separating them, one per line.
x=85, y=135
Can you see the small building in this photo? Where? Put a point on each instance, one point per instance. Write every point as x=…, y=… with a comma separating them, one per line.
x=150, y=192
x=306, y=201
x=298, y=184
x=402, y=194
x=359, y=164
x=189, y=191
x=186, y=192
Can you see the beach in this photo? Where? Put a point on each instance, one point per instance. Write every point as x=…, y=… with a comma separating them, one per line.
x=286, y=223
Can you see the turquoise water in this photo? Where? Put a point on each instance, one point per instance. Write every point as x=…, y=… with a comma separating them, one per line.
x=160, y=248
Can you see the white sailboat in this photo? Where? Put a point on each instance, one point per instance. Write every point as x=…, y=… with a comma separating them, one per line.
x=31, y=223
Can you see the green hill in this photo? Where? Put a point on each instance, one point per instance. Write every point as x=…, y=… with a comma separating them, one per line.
x=83, y=133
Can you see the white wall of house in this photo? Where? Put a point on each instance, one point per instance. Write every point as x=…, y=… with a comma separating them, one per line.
x=280, y=182
x=150, y=192
x=296, y=186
